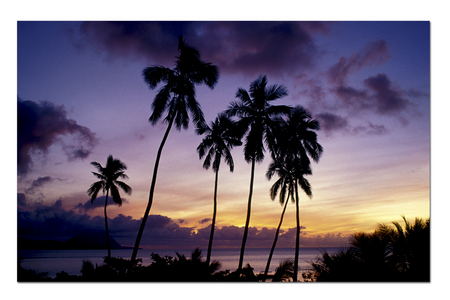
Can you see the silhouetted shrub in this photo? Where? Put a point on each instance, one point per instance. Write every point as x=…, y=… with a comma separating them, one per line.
x=387, y=255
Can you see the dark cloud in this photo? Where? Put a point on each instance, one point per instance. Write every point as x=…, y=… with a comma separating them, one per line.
x=206, y=220
x=246, y=47
x=386, y=98
x=38, y=183
x=21, y=200
x=371, y=129
x=372, y=54
x=98, y=202
x=330, y=122
x=54, y=222
x=379, y=96
x=42, y=124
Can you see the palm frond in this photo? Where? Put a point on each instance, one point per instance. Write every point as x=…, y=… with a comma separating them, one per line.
x=94, y=189
x=156, y=74
x=125, y=187
x=115, y=195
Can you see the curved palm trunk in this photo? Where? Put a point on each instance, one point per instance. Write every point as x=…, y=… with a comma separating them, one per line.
x=297, y=238
x=152, y=189
x=275, y=241
x=211, y=236
x=108, y=244
x=247, y=222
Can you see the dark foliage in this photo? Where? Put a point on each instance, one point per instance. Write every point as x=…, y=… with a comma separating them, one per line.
x=162, y=269
x=386, y=255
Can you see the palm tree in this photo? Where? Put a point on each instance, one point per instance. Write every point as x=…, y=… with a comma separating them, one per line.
x=258, y=118
x=297, y=141
x=177, y=97
x=108, y=176
x=220, y=138
x=290, y=173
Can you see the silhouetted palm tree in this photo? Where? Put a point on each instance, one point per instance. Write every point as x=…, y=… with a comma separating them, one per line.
x=284, y=271
x=259, y=119
x=386, y=255
x=108, y=176
x=290, y=173
x=177, y=97
x=220, y=138
x=297, y=141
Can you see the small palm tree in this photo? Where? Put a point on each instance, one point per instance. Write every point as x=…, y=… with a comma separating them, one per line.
x=177, y=97
x=290, y=174
x=108, y=182
x=284, y=272
x=258, y=118
x=220, y=138
x=297, y=141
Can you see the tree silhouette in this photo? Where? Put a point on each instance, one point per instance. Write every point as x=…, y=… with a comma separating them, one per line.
x=177, y=97
x=290, y=172
x=258, y=118
x=297, y=142
x=108, y=176
x=386, y=255
x=220, y=138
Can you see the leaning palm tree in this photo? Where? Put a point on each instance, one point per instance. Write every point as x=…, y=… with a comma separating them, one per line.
x=290, y=172
x=297, y=141
x=258, y=118
x=177, y=97
x=220, y=138
x=108, y=176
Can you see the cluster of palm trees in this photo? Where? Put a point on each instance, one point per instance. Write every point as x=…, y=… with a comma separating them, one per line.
x=287, y=133
x=398, y=253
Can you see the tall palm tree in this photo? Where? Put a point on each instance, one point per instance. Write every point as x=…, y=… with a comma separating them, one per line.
x=297, y=141
x=258, y=118
x=177, y=97
x=108, y=176
x=220, y=138
x=290, y=173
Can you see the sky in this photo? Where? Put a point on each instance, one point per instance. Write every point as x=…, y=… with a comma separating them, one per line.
x=80, y=90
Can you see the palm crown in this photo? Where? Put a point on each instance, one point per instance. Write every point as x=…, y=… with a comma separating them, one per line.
x=177, y=96
x=290, y=176
x=257, y=116
x=296, y=138
x=109, y=176
x=222, y=136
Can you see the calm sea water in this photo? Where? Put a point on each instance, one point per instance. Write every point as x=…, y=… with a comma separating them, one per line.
x=70, y=261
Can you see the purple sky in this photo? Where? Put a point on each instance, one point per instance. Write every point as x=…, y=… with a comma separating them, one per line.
x=81, y=90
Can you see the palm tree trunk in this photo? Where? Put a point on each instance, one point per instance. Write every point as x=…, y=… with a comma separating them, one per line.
x=152, y=189
x=108, y=244
x=247, y=222
x=211, y=236
x=275, y=241
x=297, y=238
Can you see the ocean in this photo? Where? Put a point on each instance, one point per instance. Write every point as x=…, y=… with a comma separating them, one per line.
x=70, y=261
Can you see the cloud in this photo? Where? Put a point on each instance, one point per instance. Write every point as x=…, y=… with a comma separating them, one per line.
x=98, y=202
x=378, y=96
x=53, y=222
x=206, y=220
x=38, y=183
x=373, y=53
x=235, y=47
x=331, y=122
x=386, y=99
x=371, y=129
x=40, y=125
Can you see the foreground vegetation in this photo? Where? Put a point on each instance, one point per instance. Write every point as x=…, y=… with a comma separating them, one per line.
x=162, y=269
x=389, y=254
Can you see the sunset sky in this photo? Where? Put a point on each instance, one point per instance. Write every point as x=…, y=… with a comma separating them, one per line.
x=367, y=83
